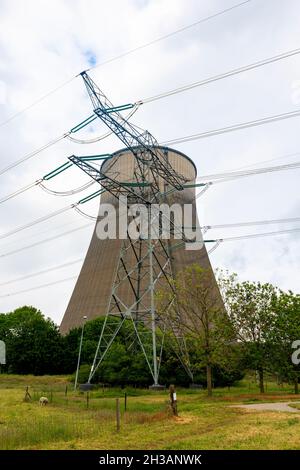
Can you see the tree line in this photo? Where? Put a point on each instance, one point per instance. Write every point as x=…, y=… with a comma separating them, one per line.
x=254, y=329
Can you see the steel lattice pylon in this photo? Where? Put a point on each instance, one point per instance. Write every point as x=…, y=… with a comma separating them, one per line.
x=144, y=264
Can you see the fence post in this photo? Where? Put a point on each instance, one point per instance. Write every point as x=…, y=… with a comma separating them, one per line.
x=118, y=413
x=173, y=400
x=27, y=395
x=66, y=391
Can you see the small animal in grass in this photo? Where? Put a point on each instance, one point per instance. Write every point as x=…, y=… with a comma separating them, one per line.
x=44, y=401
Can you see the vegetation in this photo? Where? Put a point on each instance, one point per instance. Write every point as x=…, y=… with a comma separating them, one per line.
x=202, y=321
x=255, y=333
x=203, y=423
x=250, y=307
x=49, y=353
x=33, y=343
x=285, y=331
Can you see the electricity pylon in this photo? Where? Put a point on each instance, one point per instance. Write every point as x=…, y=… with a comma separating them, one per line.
x=144, y=264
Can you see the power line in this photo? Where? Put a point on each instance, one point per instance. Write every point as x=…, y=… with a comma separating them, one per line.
x=32, y=154
x=219, y=177
x=234, y=127
x=44, y=271
x=287, y=155
x=41, y=98
x=221, y=76
x=217, y=241
x=67, y=134
x=255, y=171
x=19, y=191
x=166, y=36
x=124, y=54
x=253, y=235
x=222, y=176
x=42, y=286
x=199, y=83
x=45, y=240
x=37, y=221
x=248, y=224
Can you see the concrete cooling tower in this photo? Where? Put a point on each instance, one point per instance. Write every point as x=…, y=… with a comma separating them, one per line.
x=92, y=295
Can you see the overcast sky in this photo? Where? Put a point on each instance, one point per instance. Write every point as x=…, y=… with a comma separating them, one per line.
x=44, y=43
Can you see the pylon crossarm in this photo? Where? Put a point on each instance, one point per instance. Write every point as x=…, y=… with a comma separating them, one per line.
x=132, y=136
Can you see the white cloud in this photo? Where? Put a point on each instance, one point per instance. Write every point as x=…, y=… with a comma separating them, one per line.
x=44, y=43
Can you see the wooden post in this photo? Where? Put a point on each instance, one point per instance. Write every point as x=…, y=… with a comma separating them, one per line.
x=66, y=391
x=118, y=413
x=27, y=395
x=125, y=401
x=173, y=400
x=87, y=398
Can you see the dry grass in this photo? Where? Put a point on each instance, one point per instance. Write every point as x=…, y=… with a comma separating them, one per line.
x=202, y=423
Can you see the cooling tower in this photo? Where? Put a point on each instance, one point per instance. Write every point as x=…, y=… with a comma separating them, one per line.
x=93, y=289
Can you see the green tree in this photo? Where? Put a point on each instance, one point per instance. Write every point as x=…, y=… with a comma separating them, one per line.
x=250, y=307
x=286, y=330
x=197, y=312
x=33, y=343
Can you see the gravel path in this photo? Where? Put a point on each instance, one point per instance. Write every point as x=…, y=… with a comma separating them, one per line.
x=269, y=407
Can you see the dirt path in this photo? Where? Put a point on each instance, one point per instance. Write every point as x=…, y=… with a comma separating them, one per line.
x=269, y=407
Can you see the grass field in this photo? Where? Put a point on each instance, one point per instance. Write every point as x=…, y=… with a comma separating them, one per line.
x=203, y=423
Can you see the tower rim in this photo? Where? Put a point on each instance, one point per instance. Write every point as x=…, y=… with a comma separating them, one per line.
x=161, y=147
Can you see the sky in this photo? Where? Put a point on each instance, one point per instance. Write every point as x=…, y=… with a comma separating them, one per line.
x=44, y=44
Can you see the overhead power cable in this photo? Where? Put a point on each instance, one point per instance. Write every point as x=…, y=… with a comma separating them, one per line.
x=249, y=224
x=42, y=286
x=39, y=273
x=254, y=171
x=84, y=214
x=230, y=73
x=19, y=191
x=93, y=140
x=45, y=240
x=234, y=127
x=221, y=177
x=37, y=221
x=61, y=137
x=206, y=179
x=167, y=36
x=190, y=86
x=55, y=173
x=31, y=154
x=39, y=100
x=232, y=176
x=119, y=56
x=71, y=192
x=138, y=103
x=253, y=235
x=216, y=241
x=53, y=214
x=251, y=165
